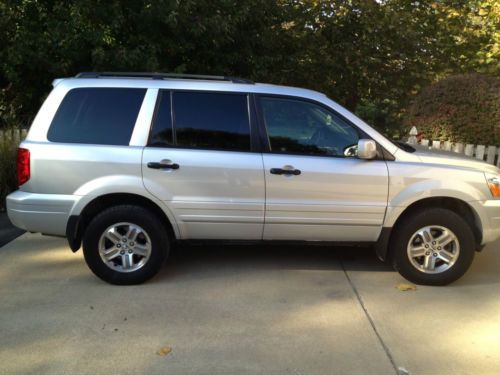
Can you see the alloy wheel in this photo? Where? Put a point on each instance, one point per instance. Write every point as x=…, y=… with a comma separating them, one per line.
x=433, y=249
x=125, y=247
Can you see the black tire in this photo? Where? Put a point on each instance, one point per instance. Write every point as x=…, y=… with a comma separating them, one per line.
x=135, y=215
x=410, y=224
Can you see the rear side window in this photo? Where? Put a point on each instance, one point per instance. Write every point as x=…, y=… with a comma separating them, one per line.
x=97, y=116
x=210, y=121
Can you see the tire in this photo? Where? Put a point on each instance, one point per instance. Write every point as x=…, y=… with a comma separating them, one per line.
x=125, y=245
x=432, y=246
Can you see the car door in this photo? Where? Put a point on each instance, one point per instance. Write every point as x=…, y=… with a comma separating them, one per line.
x=199, y=161
x=316, y=187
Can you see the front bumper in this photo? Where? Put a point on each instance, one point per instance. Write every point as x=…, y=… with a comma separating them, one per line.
x=489, y=214
x=44, y=213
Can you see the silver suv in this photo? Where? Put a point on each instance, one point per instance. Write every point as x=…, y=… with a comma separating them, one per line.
x=129, y=163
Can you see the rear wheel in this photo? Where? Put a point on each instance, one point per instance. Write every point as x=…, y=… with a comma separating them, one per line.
x=125, y=245
x=433, y=246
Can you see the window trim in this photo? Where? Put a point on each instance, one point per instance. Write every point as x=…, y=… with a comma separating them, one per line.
x=266, y=143
x=255, y=144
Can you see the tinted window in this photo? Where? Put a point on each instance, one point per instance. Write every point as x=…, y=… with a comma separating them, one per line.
x=97, y=116
x=161, y=133
x=295, y=126
x=211, y=121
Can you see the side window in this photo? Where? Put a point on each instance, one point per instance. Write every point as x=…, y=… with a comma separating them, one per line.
x=301, y=127
x=211, y=121
x=97, y=116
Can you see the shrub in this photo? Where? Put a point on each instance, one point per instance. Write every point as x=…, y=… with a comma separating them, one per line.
x=461, y=108
x=8, y=181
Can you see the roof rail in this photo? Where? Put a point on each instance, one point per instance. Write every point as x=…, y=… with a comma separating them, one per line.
x=161, y=76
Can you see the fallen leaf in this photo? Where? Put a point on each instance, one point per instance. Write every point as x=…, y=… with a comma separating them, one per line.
x=406, y=287
x=164, y=351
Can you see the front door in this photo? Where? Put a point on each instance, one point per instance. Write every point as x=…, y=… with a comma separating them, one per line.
x=316, y=187
x=199, y=161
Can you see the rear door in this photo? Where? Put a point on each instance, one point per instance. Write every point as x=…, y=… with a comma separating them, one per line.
x=200, y=161
x=316, y=187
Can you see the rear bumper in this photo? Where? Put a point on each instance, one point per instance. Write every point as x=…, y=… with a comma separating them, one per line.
x=44, y=213
x=489, y=212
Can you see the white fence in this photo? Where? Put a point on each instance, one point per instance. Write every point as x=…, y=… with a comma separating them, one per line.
x=489, y=154
x=12, y=135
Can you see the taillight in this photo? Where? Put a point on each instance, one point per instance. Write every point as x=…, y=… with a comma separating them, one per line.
x=23, y=166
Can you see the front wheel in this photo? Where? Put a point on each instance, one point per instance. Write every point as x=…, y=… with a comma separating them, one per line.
x=125, y=245
x=433, y=246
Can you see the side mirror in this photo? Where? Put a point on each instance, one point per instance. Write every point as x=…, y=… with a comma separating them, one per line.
x=367, y=149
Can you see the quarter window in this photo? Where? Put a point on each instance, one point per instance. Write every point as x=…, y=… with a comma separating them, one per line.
x=162, y=132
x=300, y=127
x=97, y=116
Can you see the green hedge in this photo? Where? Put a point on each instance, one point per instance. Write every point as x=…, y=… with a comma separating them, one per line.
x=460, y=108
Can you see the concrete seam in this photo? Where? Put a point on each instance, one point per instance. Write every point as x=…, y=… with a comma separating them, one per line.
x=370, y=320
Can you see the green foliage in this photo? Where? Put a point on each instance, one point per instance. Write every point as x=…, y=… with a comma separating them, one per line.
x=462, y=108
x=475, y=35
x=8, y=180
x=367, y=50
x=45, y=39
x=359, y=52
x=383, y=115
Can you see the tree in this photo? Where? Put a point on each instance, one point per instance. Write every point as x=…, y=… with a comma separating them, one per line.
x=372, y=56
x=46, y=39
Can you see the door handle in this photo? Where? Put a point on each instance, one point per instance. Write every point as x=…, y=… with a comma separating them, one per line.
x=287, y=172
x=160, y=165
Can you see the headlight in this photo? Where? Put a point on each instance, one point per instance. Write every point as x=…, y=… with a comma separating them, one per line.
x=494, y=184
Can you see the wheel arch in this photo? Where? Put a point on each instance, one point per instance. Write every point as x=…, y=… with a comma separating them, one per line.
x=77, y=224
x=456, y=205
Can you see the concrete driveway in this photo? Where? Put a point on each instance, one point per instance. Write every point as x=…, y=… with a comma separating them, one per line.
x=243, y=310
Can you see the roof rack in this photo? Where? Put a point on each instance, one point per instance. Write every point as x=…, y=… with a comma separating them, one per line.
x=161, y=76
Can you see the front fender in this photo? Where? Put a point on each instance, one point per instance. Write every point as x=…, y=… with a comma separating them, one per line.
x=407, y=188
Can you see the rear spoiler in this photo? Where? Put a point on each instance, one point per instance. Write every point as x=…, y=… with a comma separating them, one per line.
x=57, y=81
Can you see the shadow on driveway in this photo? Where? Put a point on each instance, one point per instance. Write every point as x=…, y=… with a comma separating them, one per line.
x=190, y=259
